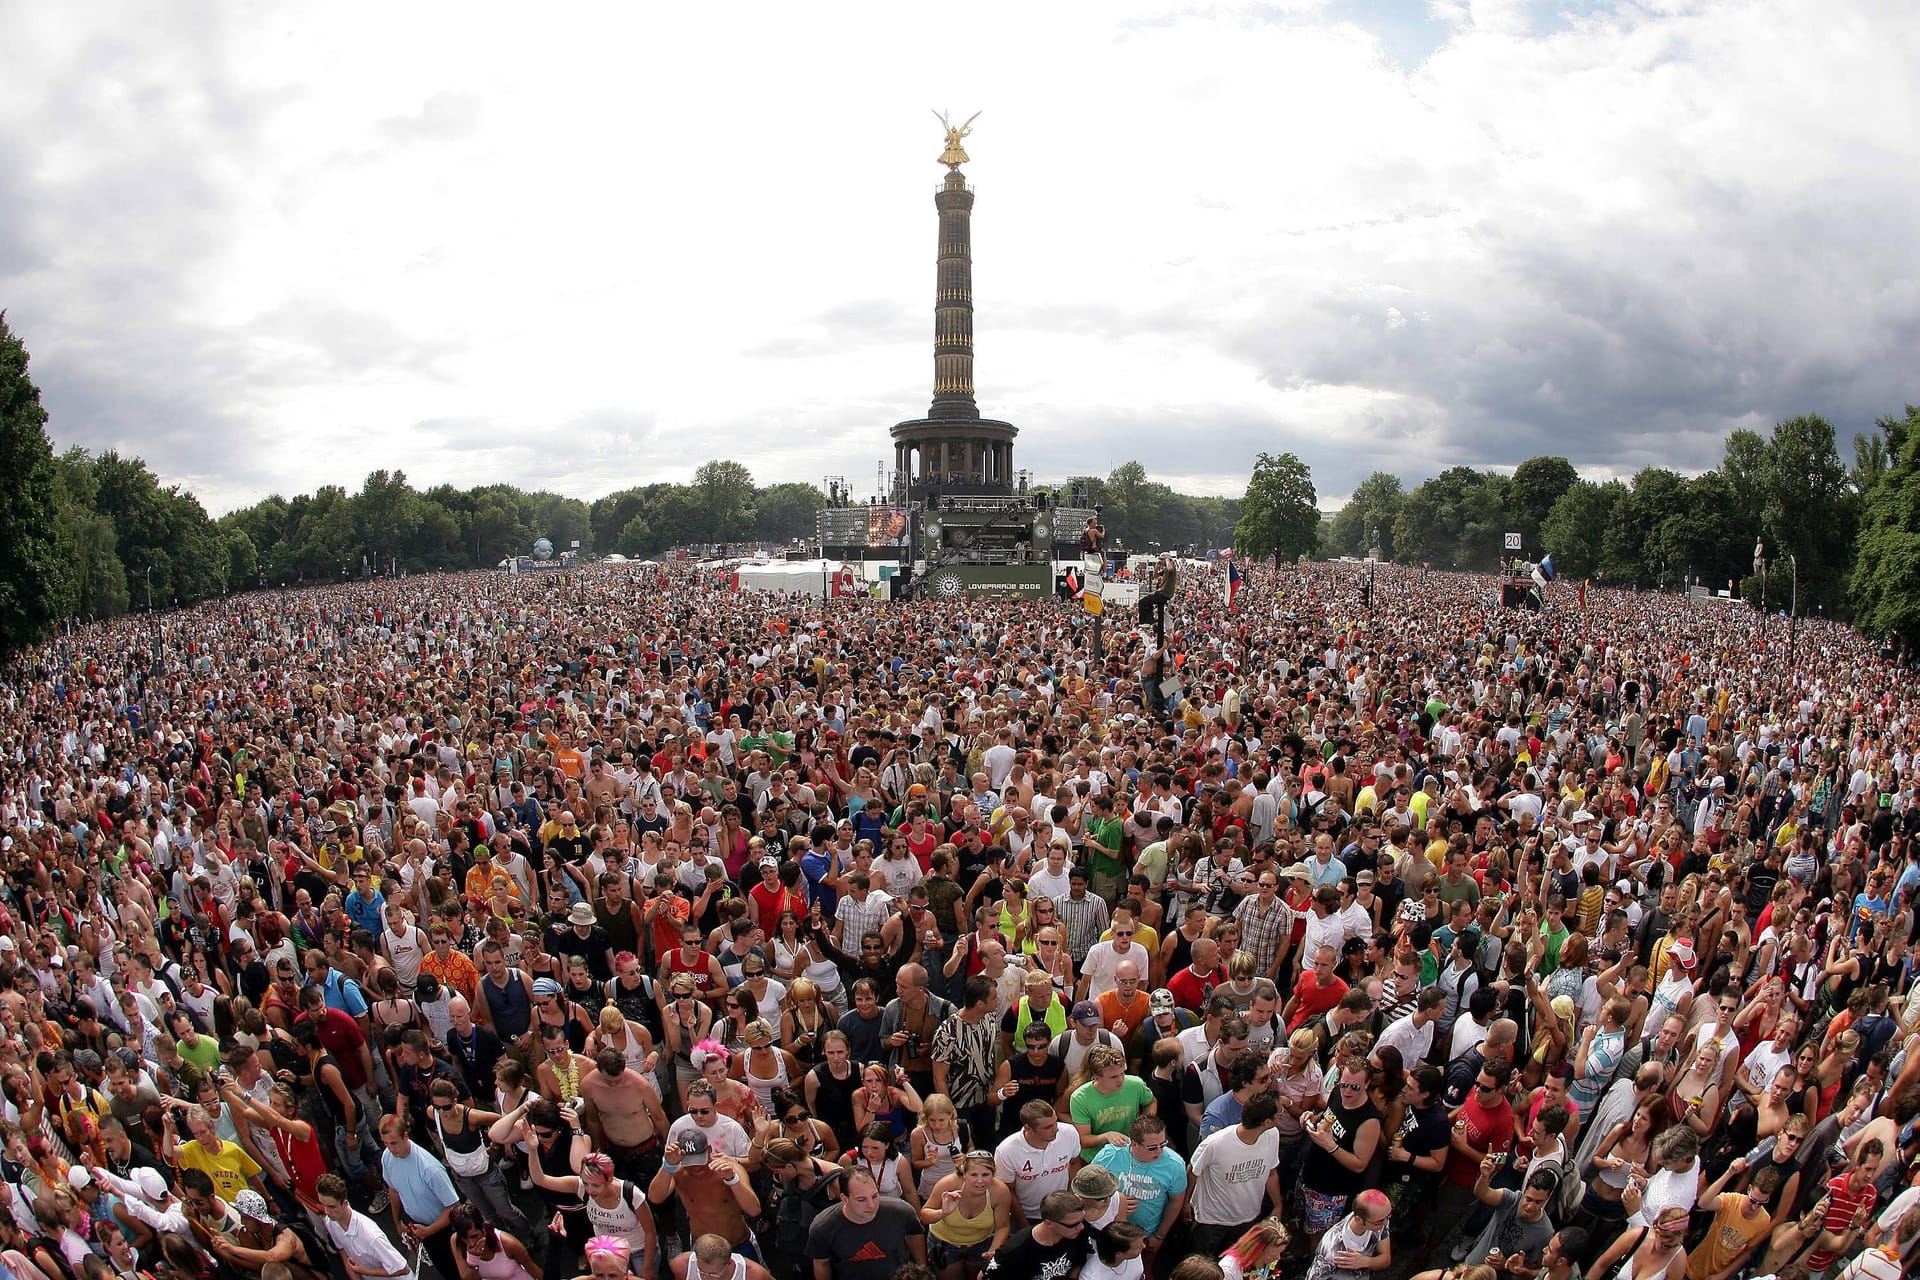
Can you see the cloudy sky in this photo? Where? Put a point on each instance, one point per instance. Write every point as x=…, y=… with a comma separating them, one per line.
x=269, y=247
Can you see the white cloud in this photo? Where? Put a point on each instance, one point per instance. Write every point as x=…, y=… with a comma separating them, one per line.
x=269, y=252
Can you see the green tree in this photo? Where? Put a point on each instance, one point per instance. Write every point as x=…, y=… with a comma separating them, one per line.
x=100, y=577
x=1537, y=484
x=1576, y=527
x=386, y=518
x=1884, y=589
x=1368, y=517
x=36, y=581
x=1807, y=509
x=243, y=559
x=1636, y=545
x=785, y=511
x=563, y=521
x=1457, y=520
x=1744, y=461
x=724, y=491
x=1280, y=516
x=635, y=538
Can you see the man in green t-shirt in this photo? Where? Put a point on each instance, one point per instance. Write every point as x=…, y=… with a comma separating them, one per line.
x=1103, y=851
x=1104, y=1108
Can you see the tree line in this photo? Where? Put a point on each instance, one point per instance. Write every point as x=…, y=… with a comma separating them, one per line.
x=93, y=535
x=1851, y=534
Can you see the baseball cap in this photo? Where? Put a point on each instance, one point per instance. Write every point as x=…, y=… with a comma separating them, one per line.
x=1086, y=1013
x=1681, y=954
x=151, y=1184
x=1161, y=1002
x=692, y=1141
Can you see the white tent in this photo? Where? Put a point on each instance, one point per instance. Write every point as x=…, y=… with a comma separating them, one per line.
x=811, y=578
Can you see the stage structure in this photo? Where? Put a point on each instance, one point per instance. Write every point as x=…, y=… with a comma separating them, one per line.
x=959, y=521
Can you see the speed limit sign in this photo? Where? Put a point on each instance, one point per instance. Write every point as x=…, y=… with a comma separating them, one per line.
x=1513, y=542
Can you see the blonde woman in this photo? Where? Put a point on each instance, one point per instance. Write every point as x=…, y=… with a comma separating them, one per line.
x=1650, y=1253
x=805, y=1023
x=969, y=1215
x=936, y=1142
x=1695, y=1097
x=764, y=1066
x=634, y=1041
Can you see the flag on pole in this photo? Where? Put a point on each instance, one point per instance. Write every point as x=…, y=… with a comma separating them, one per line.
x=1073, y=582
x=1583, y=591
x=1233, y=582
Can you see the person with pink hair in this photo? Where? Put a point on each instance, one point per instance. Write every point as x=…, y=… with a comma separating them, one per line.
x=1357, y=1244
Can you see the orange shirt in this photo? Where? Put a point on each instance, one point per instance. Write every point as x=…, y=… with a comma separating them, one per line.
x=456, y=972
x=1133, y=1012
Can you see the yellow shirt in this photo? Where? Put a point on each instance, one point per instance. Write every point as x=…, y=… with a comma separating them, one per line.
x=1143, y=935
x=1419, y=807
x=1437, y=854
x=230, y=1167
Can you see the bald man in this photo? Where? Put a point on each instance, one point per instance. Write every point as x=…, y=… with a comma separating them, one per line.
x=908, y=1023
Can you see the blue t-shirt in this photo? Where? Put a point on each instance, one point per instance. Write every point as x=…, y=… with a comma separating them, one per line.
x=1872, y=906
x=1152, y=1183
x=1222, y=1113
x=366, y=913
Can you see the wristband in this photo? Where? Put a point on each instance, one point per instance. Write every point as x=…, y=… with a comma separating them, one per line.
x=669, y=1168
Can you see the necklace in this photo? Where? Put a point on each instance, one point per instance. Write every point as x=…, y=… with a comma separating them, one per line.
x=568, y=1078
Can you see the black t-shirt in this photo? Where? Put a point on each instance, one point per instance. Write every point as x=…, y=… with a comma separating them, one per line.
x=864, y=1251
x=1036, y=1083
x=1024, y=1258
x=1422, y=1132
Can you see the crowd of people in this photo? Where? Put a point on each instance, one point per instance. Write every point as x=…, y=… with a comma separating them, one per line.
x=586, y=924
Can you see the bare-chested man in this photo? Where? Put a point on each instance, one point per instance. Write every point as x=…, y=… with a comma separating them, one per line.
x=627, y=1120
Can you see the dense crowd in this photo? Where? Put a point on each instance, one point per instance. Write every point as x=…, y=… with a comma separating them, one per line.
x=587, y=924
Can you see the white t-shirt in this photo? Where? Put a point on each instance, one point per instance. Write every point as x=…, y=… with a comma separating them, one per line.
x=725, y=1135
x=1094, y=1269
x=1230, y=1176
x=1103, y=962
x=1034, y=1171
x=1764, y=1063
x=1043, y=883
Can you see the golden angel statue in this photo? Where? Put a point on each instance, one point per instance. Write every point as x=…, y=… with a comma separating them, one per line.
x=955, y=155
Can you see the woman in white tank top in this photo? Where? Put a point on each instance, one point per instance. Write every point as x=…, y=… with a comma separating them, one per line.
x=764, y=1066
x=618, y=1209
x=632, y=1040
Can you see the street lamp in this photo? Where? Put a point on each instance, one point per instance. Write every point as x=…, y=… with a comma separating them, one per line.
x=1793, y=607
